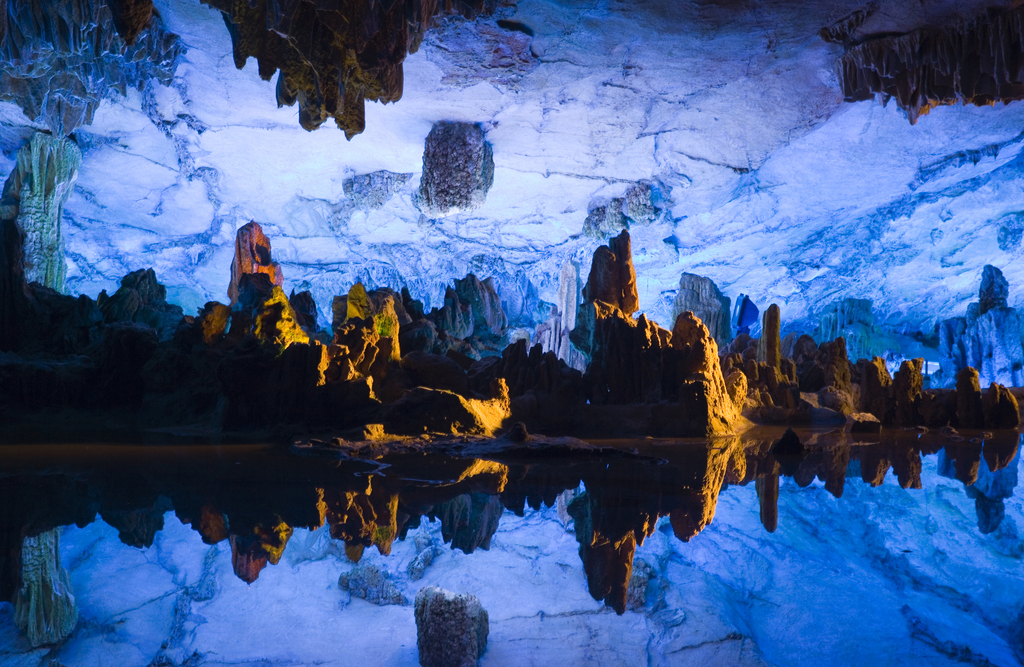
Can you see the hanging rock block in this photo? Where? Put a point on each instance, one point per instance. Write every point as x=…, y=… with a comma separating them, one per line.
x=458, y=169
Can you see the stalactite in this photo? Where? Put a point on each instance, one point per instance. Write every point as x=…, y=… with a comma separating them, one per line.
x=977, y=62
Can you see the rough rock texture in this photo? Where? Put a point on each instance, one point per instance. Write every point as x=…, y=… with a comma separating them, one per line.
x=1000, y=407
x=252, y=255
x=989, y=339
x=553, y=335
x=373, y=190
x=769, y=348
x=358, y=48
x=974, y=62
x=458, y=169
x=451, y=629
x=59, y=60
x=423, y=410
x=372, y=584
x=969, y=404
x=875, y=383
x=34, y=196
x=44, y=608
x=702, y=297
x=142, y=299
x=853, y=320
x=993, y=291
x=906, y=392
x=489, y=320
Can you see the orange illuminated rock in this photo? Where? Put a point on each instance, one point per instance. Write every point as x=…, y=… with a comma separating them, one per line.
x=252, y=255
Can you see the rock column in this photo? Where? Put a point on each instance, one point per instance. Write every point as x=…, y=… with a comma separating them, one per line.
x=44, y=608
x=34, y=196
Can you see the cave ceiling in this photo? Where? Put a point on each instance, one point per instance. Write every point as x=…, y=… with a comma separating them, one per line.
x=729, y=117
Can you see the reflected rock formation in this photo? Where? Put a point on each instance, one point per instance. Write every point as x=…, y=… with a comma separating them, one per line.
x=374, y=492
x=44, y=608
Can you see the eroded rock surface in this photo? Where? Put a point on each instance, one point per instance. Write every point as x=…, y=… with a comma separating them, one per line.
x=973, y=62
x=44, y=608
x=451, y=629
x=458, y=169
x=34, y=197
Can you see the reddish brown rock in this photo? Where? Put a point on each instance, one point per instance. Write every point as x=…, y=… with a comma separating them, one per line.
x=1000, y=407
x=252, y=255
x=612, y=276
x=969, y=406
x=703, y=397
x=906, y=393
x=875, y=383
x=769, y=347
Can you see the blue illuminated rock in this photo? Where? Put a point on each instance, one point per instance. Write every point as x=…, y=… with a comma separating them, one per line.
x=451, y=629
x=34, y=196
x=44, y=608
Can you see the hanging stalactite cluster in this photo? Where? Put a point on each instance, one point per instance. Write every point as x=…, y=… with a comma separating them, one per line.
x=332, y=57
x=978, y=62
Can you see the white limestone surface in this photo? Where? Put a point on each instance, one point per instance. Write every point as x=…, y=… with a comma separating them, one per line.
x=767, y=183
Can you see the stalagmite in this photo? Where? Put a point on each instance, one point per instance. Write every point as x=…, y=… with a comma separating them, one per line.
x=44, y=608
x=34, y=196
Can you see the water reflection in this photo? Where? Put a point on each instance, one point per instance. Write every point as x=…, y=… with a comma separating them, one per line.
x=254, y=497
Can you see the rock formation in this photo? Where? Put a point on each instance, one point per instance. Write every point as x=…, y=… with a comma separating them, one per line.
x=1000, y=407
x=34, y=196
x=973, y=62
x=358, y=48
x=469, y=521
x=854, y=321
x=988, y=339
x=451, y=629
x=458, y=169
x=489, y=320
x=636, y=206
x=969, y=404
x=701, y=296
x=252, y=255
x=144, y=300
x=44, y=608
x=59, y=60
x=373, y=190
x=553, y=335
x=769, y=349
x=372, y=584
x=906, y=392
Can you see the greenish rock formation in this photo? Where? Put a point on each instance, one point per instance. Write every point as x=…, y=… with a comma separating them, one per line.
x=44, y=608
x=34, y=196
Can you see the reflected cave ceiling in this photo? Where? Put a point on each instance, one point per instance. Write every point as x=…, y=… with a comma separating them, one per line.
x=730, y=114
